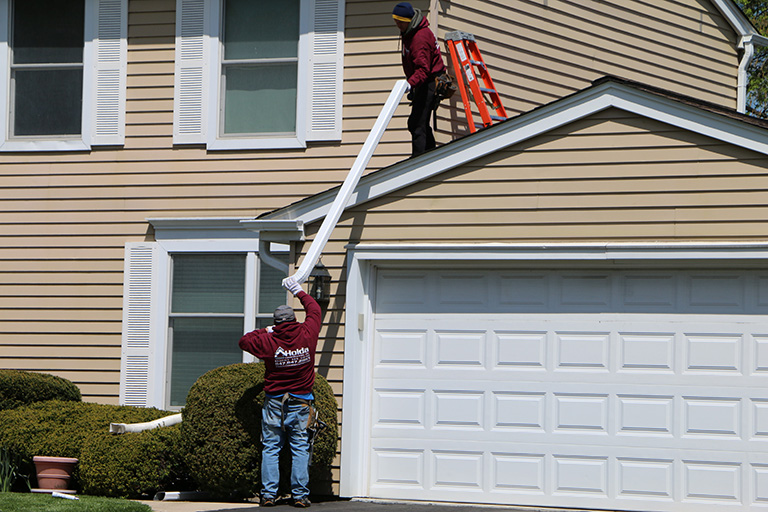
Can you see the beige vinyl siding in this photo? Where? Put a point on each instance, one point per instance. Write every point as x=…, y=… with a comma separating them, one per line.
x=541, y=50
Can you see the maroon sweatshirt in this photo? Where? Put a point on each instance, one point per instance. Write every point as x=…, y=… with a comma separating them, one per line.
x=421, y=55
x=288, y=351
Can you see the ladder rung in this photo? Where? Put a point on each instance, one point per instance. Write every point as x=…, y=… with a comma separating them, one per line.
x=477, y=63
x=498, y=118
x=485, y=89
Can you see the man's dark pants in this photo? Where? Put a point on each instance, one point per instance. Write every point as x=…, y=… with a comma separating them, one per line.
x=422, y=137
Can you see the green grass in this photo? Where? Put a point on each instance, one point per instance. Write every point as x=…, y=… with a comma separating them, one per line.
x=23, y=502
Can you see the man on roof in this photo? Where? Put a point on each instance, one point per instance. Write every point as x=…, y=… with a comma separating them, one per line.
x=422, y=63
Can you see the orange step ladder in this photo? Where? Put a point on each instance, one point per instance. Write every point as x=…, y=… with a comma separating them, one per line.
x=470, y=69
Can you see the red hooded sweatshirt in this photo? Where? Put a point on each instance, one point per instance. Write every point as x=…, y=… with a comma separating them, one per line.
x=288, y=351
x=421, y=54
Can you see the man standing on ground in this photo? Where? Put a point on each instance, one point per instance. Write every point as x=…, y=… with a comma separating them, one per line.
x=288, y=351
x=422, y=63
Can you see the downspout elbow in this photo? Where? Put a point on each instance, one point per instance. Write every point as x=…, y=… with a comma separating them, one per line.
x=266, y=256
x=743, y=78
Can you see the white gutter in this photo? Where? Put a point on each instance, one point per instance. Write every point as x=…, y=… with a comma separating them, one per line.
x=342, y=198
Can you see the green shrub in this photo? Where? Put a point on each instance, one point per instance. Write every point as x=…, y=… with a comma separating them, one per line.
x=133, y=465
x=222, y=428
x=19, y=388
x=73, y=429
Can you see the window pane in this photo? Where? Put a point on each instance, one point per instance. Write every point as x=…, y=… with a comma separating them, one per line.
x=208, y=283
x=200, y=345
x=47, y=102
x=260, y=99
x=271, y=291
x=261, y=29
x=48, y=31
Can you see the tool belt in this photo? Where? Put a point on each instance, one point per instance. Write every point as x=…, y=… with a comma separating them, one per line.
x=444, y=88
x=289, y=399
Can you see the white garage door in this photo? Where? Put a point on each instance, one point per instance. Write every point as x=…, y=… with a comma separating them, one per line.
x=629, y=390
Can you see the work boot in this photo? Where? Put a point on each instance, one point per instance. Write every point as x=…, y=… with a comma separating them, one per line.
x=302, y=503
x=267, y=501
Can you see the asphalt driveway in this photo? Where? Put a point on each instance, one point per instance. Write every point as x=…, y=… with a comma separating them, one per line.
x=341, y=506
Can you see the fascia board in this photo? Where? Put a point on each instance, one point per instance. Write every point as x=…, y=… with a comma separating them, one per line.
x=193, y=228
x=532, y=124
x=735, y=17
x=281, y=230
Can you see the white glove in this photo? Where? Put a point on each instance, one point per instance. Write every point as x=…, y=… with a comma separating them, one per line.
x=291, y=285
x=270, y=328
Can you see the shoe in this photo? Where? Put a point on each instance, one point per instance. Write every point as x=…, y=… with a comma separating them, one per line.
x=302, y=503
x=266, y=501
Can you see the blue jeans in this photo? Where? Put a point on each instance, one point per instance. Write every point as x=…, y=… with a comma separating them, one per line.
x=274, y=437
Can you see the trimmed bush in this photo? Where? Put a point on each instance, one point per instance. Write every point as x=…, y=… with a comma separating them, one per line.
x=134, y=465
x=19, y=388
x=222, y=428
x=81, y=430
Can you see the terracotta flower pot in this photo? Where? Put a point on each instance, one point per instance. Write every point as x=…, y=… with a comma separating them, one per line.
x=54, y=472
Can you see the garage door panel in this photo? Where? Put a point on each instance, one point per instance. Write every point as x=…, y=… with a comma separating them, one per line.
x=568, y=472
x=605, y=419
x=594, y=389
x=710, y=291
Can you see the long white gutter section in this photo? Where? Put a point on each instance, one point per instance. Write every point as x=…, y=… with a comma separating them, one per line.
x=345, y=192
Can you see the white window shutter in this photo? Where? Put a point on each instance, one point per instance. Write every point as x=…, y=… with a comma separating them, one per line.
x=136, y=361
x=111, y=55
x=326, y=71
x=190, y=89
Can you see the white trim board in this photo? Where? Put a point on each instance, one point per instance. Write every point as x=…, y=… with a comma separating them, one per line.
x=600, y=97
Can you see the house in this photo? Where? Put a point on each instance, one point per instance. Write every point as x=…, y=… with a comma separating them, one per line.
x=564, y=309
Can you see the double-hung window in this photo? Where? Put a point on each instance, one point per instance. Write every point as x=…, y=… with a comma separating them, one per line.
x=258, y=74
x=62, y=74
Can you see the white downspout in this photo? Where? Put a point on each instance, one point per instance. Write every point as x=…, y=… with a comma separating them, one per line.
x=743, y=78
x=266, y=256
x=342, y=198
x=122, y=428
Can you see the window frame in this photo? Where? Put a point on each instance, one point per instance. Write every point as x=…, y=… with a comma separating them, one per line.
x=104, y=81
